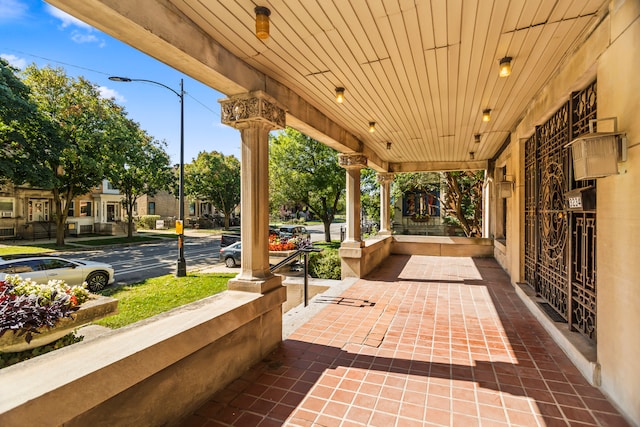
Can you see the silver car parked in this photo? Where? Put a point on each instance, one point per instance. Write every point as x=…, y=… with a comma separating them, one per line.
x=41, y=269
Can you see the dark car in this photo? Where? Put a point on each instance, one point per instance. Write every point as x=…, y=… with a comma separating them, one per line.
x=231, y=255
x=293, y=231
x=74, y=272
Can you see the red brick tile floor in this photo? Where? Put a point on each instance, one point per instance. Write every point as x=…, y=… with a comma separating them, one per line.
x=423, y=341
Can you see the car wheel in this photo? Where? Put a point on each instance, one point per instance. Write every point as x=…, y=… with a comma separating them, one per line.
x=230, y=262
x=97, y=281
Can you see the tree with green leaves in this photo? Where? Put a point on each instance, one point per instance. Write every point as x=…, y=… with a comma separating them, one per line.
x=140, y=166
x=370, y=194
x=24, y=131
x=306, y=172
x=215, y=178
x=75, y=155
x=461, y=199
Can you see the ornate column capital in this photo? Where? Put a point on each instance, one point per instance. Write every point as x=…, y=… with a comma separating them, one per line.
x=352, y=160
x=248, y=107
x=385, y=177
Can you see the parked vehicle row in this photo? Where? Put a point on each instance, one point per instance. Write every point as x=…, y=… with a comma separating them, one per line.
x=44, y=268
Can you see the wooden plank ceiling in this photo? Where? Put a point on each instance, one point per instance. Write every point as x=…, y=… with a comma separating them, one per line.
x=422, y=70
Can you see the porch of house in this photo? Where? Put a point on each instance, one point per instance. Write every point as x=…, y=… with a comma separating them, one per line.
x=421, y=341
x=428, y=338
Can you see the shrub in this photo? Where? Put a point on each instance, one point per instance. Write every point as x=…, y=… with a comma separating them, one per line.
x=325, y=265
x=26, y=306
x=148, y=222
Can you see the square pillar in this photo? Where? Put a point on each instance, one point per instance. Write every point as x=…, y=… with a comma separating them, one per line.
x=385, y=180
x=353, y=162
x=254, y=114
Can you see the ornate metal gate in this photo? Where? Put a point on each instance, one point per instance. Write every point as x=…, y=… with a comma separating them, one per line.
x=559, y=244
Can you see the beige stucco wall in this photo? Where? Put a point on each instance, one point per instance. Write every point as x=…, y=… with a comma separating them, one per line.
x=618, y=220
x=612, y=55
x=150, y=373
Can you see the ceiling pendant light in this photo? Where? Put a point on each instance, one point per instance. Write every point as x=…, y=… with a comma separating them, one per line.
x=262, y=22
x=505, y=66
x=372, y=127
x=486, y=115
x=339, y=95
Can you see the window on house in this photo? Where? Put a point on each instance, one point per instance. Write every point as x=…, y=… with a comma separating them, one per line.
x=192, y=209
x=86, y=208
x=72, y=209
x=152, y=208
x=6, y=208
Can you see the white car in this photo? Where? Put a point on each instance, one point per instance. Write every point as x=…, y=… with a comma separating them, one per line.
x=41, y=269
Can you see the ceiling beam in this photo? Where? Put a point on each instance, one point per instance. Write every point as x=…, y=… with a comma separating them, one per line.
x=438, y=166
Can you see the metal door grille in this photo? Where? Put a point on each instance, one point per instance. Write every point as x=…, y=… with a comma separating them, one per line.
x=551, y=283
x=559, y=253
x=530, y=212
x=582, y=277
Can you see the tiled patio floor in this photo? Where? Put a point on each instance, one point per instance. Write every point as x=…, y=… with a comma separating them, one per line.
x=424, y=341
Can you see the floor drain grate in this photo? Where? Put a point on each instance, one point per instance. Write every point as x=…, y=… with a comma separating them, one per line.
x=551, y=312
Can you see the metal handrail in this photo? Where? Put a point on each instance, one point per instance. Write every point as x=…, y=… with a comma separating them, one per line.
x=305, y=251
x=285, y=261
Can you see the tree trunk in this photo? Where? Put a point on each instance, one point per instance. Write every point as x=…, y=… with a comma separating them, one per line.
x=130, y=203
x=61, y=215
x=227, y=216
x=327, y=230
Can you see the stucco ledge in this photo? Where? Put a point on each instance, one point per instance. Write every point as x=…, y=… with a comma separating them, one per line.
x=70, y=381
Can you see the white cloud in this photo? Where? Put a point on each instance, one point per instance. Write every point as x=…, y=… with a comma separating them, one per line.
x=67, y=20
x=11, y=10
x=14, y=61
x=109, y=93
x=81, y=33
x=80, y=38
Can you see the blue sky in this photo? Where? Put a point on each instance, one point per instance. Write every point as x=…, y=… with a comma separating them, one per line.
x=32, y=31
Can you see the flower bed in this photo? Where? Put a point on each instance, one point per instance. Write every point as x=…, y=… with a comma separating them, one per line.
x=277, y=244
x=33, y=314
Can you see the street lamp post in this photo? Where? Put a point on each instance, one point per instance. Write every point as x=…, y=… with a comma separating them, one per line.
x=181, y=266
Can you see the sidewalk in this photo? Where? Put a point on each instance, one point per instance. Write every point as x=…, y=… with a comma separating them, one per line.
x=423, y=341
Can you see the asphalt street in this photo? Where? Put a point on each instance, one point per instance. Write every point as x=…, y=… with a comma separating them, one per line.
x=201, y=250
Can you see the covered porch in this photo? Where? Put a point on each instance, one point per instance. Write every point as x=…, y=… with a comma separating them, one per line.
x=421, y=341
x=425, y=74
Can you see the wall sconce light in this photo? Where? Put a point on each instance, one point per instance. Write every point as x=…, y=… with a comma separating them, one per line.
x=505, y=187
x=476, y=138
x=505, y=66
x=262, y=22
x=472, y=155
x=596, y=154
x=486, y=115
x=389, y=145
x=372, y=127
x=339, y=95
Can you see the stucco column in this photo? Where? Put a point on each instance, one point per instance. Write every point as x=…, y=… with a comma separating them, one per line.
x=385, y=201
x=353, y=162
x=254, y=115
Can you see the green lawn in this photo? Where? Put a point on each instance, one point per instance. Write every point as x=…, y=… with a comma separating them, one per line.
x=159, y=294
x=19, y=249
x=115, y=240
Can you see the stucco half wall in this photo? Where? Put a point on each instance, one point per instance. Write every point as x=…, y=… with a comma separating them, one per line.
x=358, y=262
x=153, y=372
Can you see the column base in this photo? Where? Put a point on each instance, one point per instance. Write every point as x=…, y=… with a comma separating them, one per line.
x=352, y=244
x=260, y=286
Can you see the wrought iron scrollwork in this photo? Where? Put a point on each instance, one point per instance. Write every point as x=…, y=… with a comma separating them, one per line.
x=560, y=257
